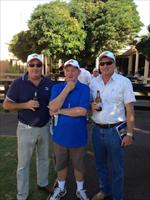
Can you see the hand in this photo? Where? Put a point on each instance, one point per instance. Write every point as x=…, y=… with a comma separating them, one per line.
x=127, y=140
x=70, y=85
x=52, y=113
x=94, y=106
x=32, y=105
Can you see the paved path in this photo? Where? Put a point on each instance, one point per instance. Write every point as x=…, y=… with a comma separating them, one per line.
x=137, y=159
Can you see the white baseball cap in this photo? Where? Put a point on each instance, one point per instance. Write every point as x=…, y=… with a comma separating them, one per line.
x=35, y=56
x=73, y=63
x=108, y=54
x=95, y=70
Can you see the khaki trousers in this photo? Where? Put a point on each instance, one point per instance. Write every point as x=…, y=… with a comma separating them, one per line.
x=30, y=138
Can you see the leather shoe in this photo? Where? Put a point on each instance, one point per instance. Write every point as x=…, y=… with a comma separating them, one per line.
x=46, y=189
x=101, y=196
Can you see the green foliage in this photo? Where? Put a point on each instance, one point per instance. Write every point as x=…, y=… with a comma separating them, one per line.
x=13, y=69
x=79, y=29
x=8, y=166
x=56, y=31
x=144, y=45
x=22, y=44
x=148, y=28
x=109, y=25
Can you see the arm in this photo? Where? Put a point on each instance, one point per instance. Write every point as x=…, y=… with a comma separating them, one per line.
x=57, y=103
x=83, y=105
x=12, y=99
x=127, y=140
x=10, y=105
x=74, y=112
x=130, y=117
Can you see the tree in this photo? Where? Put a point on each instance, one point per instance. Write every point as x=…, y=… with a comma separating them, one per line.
x=23, y=44
x=57, y=33
x=109, y=25
x=79, y=29
x=143, y=45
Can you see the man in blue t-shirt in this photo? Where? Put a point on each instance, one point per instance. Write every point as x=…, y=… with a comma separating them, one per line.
x=29, y=96
x=69, y=104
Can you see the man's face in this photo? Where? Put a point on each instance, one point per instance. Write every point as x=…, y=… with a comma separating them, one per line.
x=34, y=69
x=106, y=66
x=95, y=73
x=71, y=73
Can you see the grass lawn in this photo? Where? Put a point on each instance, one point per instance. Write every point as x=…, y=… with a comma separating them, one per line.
x=8, y=166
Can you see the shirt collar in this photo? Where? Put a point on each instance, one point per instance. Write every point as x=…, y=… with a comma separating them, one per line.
x=113, y=77
x=25, y=77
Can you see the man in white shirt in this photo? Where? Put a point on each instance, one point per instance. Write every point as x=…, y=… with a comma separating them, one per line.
x=95, y=73
x=117, y=97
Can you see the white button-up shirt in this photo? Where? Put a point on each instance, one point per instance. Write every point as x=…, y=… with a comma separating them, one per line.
x=115, y=94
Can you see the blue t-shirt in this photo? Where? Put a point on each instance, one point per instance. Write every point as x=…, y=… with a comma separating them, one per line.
x=72, y=131
x=22, y=90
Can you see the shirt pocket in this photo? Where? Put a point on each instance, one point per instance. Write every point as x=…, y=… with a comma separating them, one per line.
x=116, y=95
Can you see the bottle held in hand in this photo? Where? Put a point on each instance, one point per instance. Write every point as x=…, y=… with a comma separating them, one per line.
x=98, y=101
x=35, y=98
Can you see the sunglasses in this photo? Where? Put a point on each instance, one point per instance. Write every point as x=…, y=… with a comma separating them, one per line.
x=106, y=63
x=35, y=65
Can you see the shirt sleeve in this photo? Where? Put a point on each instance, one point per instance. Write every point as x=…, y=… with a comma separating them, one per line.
x=85, y=98
x=13, y=92
x=92, y=89
x=56, y=90
x=129, y=95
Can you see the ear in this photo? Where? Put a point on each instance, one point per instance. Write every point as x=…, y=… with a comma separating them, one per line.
x=79, y=71
x=114, y=64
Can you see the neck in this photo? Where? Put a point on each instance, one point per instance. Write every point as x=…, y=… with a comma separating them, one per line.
x=71, y=80
x=35, y=81
x=106, y=79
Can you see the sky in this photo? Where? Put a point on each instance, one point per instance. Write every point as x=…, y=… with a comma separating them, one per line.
x=14, y=15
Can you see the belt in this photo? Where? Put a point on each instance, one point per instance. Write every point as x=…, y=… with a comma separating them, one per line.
x=107, y=125
x=32, y=126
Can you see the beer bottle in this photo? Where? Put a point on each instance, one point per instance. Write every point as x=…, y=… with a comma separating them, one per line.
x=98, y=101
x=35, y=96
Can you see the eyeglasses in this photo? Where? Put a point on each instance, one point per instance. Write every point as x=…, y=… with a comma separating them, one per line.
x=35, y=65
x=105, y=63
